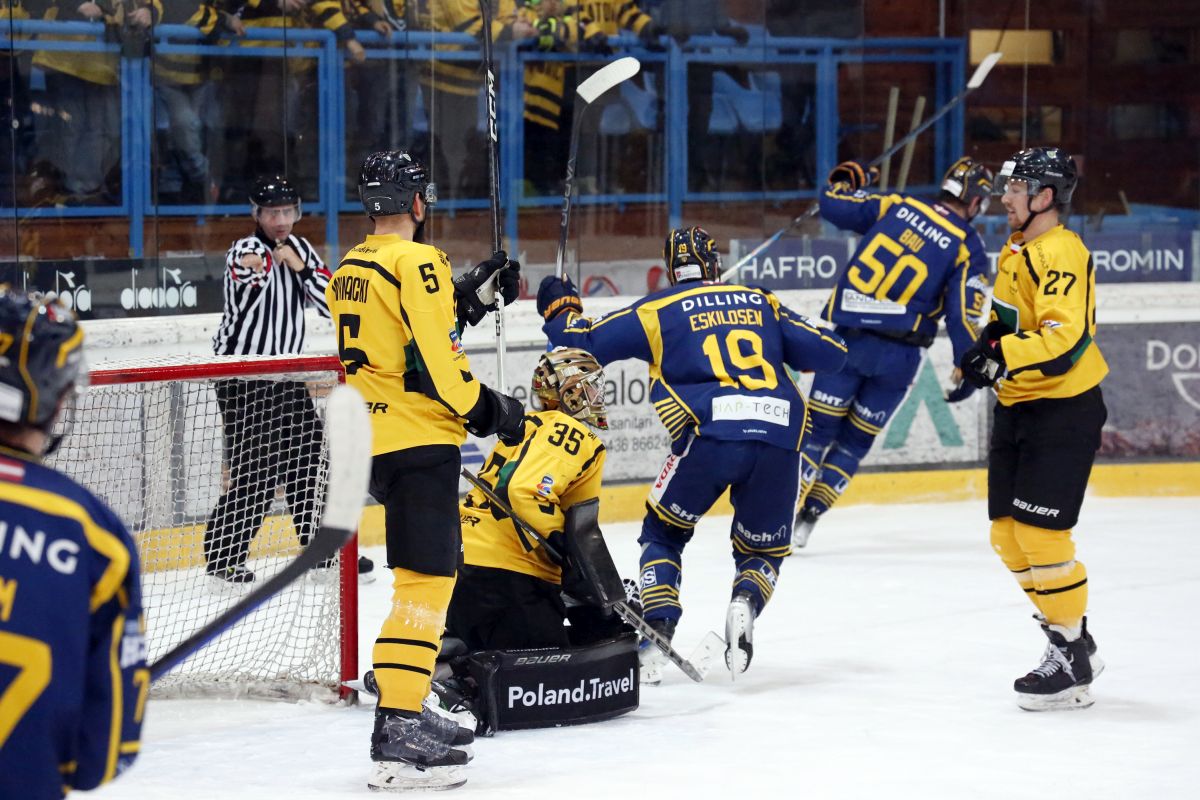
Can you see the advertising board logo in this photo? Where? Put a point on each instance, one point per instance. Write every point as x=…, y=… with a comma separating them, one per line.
x=177, y=293
x=1184, y=362
x=77, y=298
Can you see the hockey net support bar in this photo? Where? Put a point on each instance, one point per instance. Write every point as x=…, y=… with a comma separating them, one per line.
x=191, y=452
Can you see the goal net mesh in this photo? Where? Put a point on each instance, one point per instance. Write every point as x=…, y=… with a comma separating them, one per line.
x=215, y=465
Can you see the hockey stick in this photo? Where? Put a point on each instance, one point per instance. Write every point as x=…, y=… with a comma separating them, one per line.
x=604, y=79
x=695, y=668
x=348, y=430
x=485, y=12
x=977, y=78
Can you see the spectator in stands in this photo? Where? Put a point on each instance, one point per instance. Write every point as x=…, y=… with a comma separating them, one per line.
x=183, y=87
x=452, y=88
x=270, y=108
x=15, y=115
x=79, y=129
x=684, y=19
x=377, y=91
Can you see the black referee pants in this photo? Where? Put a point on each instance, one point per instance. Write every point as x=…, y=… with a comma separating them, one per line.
x=272, y=438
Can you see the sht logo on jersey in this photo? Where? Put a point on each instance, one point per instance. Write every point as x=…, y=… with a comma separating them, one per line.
x=546, y=485
x=456, y=346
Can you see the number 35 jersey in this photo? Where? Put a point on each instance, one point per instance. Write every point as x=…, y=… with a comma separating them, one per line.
x=558, y=464
x=917, y=262
x=393, y=309
x=718, y=357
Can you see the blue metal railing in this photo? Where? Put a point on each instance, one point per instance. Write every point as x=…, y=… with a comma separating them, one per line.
x=761, y=54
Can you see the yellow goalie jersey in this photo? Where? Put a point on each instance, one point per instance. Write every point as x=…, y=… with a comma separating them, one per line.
x=558, y=464
x=393, y=307
x=1046, y=293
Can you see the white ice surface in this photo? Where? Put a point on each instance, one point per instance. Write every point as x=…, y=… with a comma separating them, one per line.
x=882, y=669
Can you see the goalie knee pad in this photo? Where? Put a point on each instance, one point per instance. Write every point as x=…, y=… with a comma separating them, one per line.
x=546, y=688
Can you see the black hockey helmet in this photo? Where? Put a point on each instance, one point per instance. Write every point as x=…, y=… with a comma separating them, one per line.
x=1040, y=167
x=690, y=254
x=967, y=179
x=388, y=181
x=41, y=357
x=274, y=190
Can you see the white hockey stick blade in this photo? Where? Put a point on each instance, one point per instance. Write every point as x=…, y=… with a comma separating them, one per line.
x=981, y=72
x=711, y=646
x=348, y=430
x=607, y=77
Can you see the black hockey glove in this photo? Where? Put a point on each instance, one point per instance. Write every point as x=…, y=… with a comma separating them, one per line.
x=469, y=307
x=854, y=173
x=499, y=414
x=557, y=295
x=983, y=364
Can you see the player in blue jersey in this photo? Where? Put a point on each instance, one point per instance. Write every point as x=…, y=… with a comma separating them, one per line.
x=918, y=262
x=718, y=357
x=73, y=675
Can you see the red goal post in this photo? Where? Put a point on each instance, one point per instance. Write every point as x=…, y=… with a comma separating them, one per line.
x=190, y=452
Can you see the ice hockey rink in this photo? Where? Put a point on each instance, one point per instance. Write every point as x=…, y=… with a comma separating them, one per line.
x=883, y=668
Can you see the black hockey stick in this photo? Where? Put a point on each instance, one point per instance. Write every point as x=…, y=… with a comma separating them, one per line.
x=348, y=430
x=708, y=646
x=977, y=78
x=485, y=12
x=605, y=78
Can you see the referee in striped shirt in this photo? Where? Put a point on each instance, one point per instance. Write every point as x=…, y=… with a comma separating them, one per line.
x=272, y=433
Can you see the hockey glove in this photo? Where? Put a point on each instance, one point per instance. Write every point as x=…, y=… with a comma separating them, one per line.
x=983, y=364
x=853, y=173
x=469, y=306
x=499, y=414
x=557, y=295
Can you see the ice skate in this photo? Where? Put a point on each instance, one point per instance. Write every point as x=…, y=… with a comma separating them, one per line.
x=802, y=528
x=739, y=635
x=410, y=754
x=442, y=722
x=231, y=577
x=326, y=571
x=1062, y=680
x=651, y=660
x=1089, y=642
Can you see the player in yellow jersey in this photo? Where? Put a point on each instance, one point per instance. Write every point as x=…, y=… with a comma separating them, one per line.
x=394, y=308
x=1039, y=351
x=508, y=594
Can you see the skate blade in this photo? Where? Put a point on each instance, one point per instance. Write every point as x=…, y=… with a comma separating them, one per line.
x=1075, y=698
x=801, y=531
x=739, y=623
x=706, y=652
x=397, y=776
x=365, y=578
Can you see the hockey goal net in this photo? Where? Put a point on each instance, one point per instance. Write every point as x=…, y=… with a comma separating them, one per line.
x=217, y=465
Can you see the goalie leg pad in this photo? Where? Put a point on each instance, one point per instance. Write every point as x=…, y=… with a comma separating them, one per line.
x=555, y=686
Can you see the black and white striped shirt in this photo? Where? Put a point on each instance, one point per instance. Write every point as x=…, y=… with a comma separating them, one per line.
x=264, y=310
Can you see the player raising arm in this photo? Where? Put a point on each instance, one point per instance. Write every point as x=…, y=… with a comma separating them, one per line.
x=718, y=359
x=73, y=675
x=918, y=262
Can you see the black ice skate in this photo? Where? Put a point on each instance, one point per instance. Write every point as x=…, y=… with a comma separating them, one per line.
x=1062, y=680
x=325, y=572
x=445, y=728
x=1089, y=642
x=234, y=575
x=802, y=528
x=739, y=635
x=409, y=754
x=651, y=660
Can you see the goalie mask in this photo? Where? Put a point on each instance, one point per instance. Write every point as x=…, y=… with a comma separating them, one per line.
x=572, y=381
x=967, y=179
x=690, y=254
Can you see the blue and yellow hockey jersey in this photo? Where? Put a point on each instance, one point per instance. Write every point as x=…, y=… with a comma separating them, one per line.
x=73, y=677
x=917, y=263
x=718, y=356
